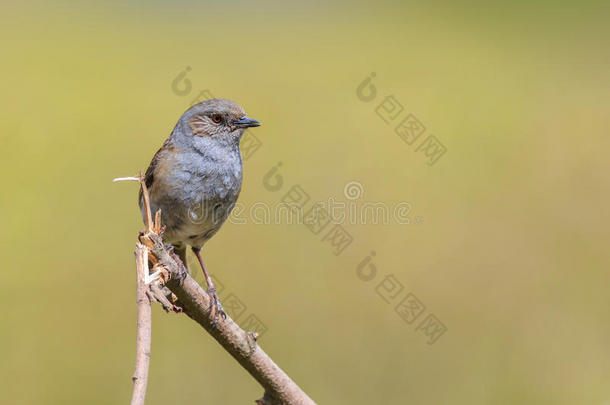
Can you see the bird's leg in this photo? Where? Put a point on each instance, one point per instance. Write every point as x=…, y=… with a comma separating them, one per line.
x=216, y=306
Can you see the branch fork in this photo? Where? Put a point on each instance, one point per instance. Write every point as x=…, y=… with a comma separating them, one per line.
x=169, y=283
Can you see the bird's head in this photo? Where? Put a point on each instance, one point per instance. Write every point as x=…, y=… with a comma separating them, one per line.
x=218, y=118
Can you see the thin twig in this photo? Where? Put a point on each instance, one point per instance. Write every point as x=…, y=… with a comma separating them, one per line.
x=146, y=202
x=143, y=340
x=125, y=179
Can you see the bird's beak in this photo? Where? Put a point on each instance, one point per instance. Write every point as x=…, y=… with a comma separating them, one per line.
x=245, y=122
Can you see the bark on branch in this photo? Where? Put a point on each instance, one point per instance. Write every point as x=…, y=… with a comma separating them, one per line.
x=168, y=272
x=140, y=376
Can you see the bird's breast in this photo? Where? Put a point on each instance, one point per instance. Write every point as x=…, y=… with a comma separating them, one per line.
x=216, y=180
x=202, y=194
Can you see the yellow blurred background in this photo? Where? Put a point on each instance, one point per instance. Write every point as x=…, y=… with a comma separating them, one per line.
x=507, y=243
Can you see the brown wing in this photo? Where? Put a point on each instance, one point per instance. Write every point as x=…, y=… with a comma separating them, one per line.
x=149, y=177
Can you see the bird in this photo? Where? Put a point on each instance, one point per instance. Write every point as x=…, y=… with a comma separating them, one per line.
x=195, y=179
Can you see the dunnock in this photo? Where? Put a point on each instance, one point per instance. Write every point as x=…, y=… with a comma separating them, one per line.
x=195, y=178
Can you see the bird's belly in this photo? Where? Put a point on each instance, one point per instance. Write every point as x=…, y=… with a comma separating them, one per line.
x=196, y=219
x=194, y=233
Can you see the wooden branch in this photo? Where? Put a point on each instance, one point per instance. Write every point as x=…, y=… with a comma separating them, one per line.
x=140, y=376
x=168, y=270
x=243, y=346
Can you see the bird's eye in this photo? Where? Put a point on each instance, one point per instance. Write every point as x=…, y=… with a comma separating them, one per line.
x=216, y=118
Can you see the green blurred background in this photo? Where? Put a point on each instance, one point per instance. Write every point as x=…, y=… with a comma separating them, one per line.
x=507, y=244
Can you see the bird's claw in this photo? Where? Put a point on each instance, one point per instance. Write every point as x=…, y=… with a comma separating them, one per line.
x=216, y=309
x=182, y=269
